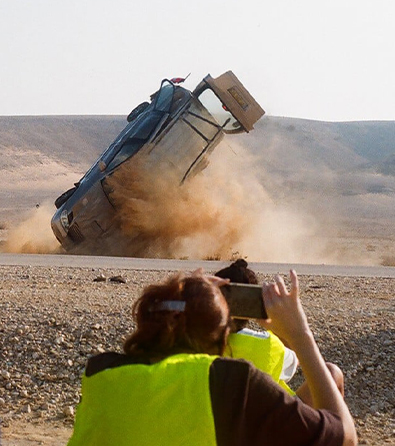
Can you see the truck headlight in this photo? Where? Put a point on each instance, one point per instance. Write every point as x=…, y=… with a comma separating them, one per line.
x=64, y=220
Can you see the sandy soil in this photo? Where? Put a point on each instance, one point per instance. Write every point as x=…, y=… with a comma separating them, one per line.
x=52, y=319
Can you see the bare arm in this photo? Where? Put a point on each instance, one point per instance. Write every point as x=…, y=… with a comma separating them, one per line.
x=289, y=322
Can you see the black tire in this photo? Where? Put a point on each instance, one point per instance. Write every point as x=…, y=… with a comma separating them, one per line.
x=136, y=111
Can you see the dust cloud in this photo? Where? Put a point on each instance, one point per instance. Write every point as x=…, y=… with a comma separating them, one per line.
x=222, y=213
x=234, y=208
x=34, y=234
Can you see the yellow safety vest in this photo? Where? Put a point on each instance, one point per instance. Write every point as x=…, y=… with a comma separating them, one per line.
x=166, y=403
x=267, y=354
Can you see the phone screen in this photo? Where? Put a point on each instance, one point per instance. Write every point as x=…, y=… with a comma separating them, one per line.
x=244, y=300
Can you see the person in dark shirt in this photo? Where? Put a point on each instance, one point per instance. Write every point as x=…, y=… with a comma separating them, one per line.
x=172, y=385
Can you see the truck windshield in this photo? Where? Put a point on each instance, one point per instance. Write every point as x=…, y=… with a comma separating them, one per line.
x=218, y=110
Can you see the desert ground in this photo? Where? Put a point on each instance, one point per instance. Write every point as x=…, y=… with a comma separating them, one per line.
x=54, y=318
x=301, y=191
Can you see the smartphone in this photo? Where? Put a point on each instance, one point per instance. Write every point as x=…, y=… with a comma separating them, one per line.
x=244, y=300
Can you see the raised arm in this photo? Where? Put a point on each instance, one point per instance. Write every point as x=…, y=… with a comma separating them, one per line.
x=288, y=320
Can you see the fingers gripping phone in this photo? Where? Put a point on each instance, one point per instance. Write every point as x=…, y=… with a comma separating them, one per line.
x=245, y=301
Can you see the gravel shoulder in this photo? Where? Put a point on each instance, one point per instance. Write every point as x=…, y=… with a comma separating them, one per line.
x=53, y=318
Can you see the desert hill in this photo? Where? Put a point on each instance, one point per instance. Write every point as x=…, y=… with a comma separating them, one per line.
x=342, y=172
x=344, y=166
x=78, y=140
x=73, y=140
x=298, y=144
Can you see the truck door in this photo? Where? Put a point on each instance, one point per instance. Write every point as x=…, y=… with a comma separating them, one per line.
x=226, y=95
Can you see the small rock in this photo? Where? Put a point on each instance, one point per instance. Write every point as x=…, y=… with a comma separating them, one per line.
x=100, y=278
x=5, y=374
x=59, y=340
x=117, y=279
x=68, y=411
x=27, y=408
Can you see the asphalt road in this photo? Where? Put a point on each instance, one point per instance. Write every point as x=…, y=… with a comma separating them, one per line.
x=48, y=260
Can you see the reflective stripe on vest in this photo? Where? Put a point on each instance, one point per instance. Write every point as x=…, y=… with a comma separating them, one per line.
x=166, y=403
x=267, y=354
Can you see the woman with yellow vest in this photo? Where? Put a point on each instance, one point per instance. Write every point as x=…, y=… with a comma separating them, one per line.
x=173, y=387
x=264, y=349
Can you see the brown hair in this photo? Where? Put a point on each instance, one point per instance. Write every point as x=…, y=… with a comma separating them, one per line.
x=202, y=326
x=238, y=272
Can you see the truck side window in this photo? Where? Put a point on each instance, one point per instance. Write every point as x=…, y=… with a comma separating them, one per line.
x=215, y=107
x=129, y=148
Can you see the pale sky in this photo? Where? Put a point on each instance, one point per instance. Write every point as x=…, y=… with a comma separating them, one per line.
x=326, y=60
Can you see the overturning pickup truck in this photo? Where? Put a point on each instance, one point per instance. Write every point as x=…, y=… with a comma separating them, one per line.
x=177, y=129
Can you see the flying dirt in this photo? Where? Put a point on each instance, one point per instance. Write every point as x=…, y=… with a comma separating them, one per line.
x=33, y=235
x=222, y=213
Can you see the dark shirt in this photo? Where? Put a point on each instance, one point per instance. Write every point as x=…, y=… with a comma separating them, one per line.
x=249, y=408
